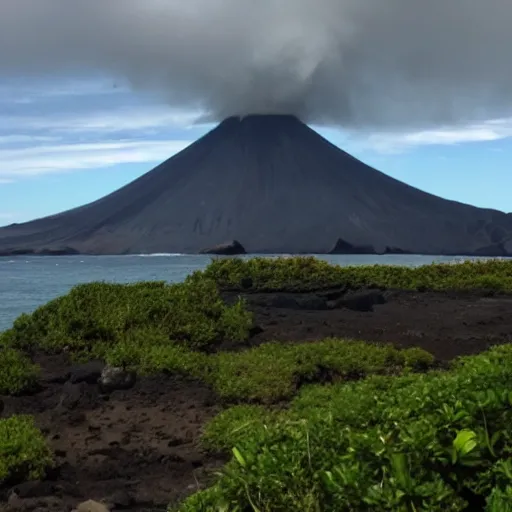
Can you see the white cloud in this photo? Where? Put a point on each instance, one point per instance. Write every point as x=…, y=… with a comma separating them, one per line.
x=492, y=130
x=36, y=140
x=67, y=140
x=26, y=162
x=124, y=119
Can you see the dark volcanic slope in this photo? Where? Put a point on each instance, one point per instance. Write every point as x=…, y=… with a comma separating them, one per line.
x=276, y=186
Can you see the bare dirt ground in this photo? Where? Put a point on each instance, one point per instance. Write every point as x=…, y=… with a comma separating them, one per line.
x=445, y=324
x=135, y=449
x=139, y=449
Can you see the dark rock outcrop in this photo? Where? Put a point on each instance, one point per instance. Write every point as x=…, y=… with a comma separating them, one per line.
x=274, y=183
x=59, y=251
x=228, y=249
x=35, y=489
x=344, y=247
x=17, y=252
x=492, y=250
x=88, y=372
x=395, y=250
x=119, y=500
x=72, y=395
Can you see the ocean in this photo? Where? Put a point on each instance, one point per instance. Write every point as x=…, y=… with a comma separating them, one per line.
x=29, y=282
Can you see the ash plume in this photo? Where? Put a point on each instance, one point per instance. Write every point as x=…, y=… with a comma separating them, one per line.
x=355, y=63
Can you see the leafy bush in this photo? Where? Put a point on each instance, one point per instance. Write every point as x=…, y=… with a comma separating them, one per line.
x=273, y=371
x=24, y=454
x=310, y=273
x=500, y=500
x=230, y=426
x=177, y=360
x=17, y=372
x=101, y=314
x=268, y=373
x=132, y=349
x=439, y=441
x=153, y=354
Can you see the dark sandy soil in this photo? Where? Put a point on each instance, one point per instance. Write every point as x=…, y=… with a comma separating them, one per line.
x=446, y=324
x=138, y=449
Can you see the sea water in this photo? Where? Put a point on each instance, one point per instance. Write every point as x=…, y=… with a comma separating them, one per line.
x=28, y=282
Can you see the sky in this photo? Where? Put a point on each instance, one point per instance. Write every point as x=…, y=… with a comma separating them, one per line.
x=66, y=140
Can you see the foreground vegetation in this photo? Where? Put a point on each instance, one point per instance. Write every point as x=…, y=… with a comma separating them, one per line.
x=367, y=427
x=93, y=317
x=271, y=372
x=17, y=372
x=24, y=453
x=268, y=373
x=420, y=442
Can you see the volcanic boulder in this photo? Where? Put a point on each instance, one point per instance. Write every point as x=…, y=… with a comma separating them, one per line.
x=343, y=247
x=228, y=249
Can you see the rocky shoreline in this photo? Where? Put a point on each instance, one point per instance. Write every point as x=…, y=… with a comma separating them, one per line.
x=235, y=248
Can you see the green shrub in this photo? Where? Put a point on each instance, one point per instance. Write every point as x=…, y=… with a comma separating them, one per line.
x=268, y=373
x=132, y=349
x=24, y=454
x=230, y=426
x=419, y=442
x=272, y=372
x=101, y=314
x=176, y=359
x=310, y=273
x=17, y=372
x=500, y=500
x=150, y=352
x=417, y=359
x=274, y=273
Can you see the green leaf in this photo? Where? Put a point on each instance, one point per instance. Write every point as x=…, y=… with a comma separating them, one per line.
x=465, y=442
x=401, y=469
x=239, y=457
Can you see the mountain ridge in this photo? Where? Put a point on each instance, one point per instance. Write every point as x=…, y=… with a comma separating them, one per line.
x=277, y=186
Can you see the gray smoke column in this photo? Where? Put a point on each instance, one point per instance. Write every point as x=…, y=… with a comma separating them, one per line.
x=356, y=63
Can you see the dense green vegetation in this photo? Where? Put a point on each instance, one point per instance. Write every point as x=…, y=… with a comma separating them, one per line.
x=309, y=273
x=17, y=372
x=419, y=442
x=24, y=454
x=273, y=372
x=366, y=427
x=270, y=372
x=95, y=316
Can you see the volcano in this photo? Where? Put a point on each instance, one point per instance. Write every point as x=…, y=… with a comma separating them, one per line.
x=275, y=185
